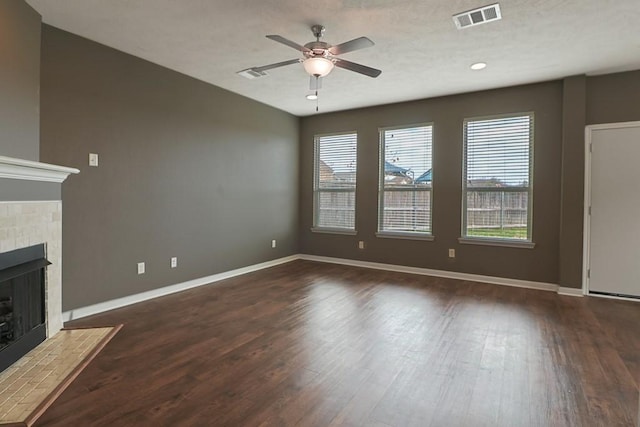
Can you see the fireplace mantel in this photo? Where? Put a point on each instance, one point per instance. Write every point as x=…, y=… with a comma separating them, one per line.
x=29, y=170
x=31, y=214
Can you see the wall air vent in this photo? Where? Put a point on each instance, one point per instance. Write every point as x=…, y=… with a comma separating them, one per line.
x=250, y=73
x=478, y=16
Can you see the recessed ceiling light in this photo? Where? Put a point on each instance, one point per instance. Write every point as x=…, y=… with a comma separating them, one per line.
x=478, y=66
x=312, y=97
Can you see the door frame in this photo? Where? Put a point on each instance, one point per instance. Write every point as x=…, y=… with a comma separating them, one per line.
x=586, y=235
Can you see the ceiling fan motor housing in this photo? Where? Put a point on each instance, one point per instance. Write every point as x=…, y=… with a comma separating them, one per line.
x=317, y=49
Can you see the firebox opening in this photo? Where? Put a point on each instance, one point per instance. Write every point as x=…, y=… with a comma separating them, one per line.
x=22, y=302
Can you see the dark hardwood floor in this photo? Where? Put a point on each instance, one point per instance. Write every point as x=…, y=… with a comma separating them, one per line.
x=307, y=344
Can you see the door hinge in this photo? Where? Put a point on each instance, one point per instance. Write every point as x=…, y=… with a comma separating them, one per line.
x=589, y=210
x=591, y=147
x=589, y=274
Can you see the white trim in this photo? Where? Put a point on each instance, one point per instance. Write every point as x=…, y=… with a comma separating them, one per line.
x=29, y=170
x=613, y=125
x=327, y=230
x=529, y=188
x=586, y=233
x=382, y=190
x=586, y=219
x=167, y=290
x=615, y=297
x=406, y=235
x=155, y=293
x=9, y=202
x=436, y=273
x=506, y=243
x=570, y=292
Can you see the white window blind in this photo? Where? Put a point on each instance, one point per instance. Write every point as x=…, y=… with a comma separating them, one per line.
x=335, y=166
x=497, y=177
x=406, y=180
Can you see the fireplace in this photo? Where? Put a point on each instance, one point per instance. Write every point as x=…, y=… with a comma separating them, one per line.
x=30, y=226
x=22, y=302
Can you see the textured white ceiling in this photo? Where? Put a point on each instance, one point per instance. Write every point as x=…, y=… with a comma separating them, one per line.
x=418, y=47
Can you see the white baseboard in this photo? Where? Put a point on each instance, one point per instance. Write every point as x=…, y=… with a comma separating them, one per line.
x=447, y=274
x=154, y=293
x=571, y=292
x=615, y=297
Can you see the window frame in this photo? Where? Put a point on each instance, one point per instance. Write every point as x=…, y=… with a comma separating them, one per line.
x=499, y=241
x=410, y=235
x=317, y=190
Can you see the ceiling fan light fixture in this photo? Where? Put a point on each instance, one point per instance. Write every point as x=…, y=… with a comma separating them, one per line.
x=312, y=96
x=318, y=66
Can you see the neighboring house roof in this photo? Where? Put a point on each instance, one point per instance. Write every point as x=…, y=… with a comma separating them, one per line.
x=326, y=173
x=391, y=169
x=425, y=177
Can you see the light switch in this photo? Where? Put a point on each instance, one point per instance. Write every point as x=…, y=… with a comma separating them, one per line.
x=93, y=159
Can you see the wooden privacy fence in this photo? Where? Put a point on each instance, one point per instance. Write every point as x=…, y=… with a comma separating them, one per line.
x=408, y=210
x=496, y=209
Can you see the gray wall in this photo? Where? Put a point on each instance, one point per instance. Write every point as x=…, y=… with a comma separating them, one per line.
x=447, y=113
x=193, y=171
x=19, y=80
x=609, y=98
x=613, y=98
x=562, y=111
x=572, y=182
x=186, y=169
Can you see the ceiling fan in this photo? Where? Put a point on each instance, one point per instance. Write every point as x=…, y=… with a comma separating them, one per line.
x=319, y=58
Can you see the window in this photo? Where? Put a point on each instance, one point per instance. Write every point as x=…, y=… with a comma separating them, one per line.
x=498, y=156
x=335, y=182
x=405, y=180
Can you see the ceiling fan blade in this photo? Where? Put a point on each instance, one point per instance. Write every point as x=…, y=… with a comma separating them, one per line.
x=315, y=83
x=358, y=68
x=276, y=65
x=288, y=42
x=351, y=45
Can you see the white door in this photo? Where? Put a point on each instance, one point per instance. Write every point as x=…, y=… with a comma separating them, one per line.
x=614, y=232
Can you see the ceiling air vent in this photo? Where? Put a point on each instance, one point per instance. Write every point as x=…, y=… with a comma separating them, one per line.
x=250, y=73
x=478, y=16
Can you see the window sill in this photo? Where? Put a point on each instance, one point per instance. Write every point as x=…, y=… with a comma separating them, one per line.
x=405, y=235
x=343, y=231
x=496, y=242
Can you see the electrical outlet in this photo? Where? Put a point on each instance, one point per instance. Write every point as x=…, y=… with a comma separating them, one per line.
x=93, y=159
x=174, y=262
x=361, y=244
x=141, y=268
x=273, y=243
x=452, y=253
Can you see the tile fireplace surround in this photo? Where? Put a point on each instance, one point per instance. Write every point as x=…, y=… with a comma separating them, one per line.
x=31, y=213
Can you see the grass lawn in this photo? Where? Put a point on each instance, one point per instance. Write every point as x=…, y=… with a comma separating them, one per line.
x=499, y=233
